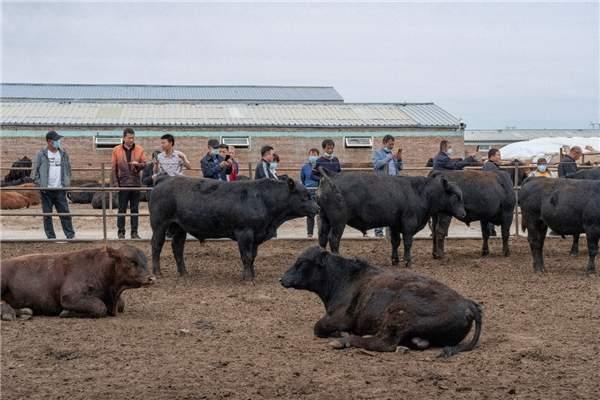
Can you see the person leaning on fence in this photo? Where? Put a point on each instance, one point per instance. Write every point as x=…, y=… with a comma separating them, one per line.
x=263, y=168
x=213, y=165
x=542, y=169
x=311, y=185
x=128, y=160
x=443, y=160
x=53, y=170
x=386, y=163
x=492, y=165
x=327, y=161
x=568, y=164
x=170, y=161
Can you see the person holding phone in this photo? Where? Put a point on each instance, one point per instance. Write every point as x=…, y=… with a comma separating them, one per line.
x=387, y=162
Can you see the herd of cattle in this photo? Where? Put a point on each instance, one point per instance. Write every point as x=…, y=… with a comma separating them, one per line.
x=366, y=306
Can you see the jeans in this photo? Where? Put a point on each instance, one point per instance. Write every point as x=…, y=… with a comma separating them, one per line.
x=56, y=199
x=310, y=221
x=133, y=199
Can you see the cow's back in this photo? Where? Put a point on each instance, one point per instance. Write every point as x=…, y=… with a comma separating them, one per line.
x=571, y=205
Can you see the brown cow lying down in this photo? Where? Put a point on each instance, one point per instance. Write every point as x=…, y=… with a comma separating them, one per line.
x=396, y=308
x=13, y=201
x=32, y=195
x=86, y=283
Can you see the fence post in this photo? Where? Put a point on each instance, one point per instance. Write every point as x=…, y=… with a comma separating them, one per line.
x=516, y=189
x=250, y=170
x=104, y=236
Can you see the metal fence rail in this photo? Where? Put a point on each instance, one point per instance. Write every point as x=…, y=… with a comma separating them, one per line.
x=103, y=188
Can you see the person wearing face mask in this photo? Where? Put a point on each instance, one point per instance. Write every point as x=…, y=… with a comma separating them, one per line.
x=53, y=170
x=213, y=164
x=327, y=160
x=444, y=161
x=263, y=169
x=311, y=185
x=386, y=163
x=542, y=169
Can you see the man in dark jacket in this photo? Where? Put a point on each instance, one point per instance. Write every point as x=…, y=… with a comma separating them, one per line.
x=53, y=170
x=568, y=164
x=327, y=161
x=213, y=165
x=493, y=162
x=263, y=169
x=442, y=160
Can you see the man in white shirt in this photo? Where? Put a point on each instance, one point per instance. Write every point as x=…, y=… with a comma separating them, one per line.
x=170, y=161
x=53, y=170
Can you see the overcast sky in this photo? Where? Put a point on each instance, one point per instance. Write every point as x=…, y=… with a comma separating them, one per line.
x=528, y=65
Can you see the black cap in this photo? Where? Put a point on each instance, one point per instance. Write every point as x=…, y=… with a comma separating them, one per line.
x=52, y=135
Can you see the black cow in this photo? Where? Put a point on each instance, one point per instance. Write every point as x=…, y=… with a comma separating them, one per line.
x=248, y=212
x=84, y=197
x=18, y=176
x=588, y=173
x=567, y=206
x=395, y=307
x=404, y=203
x=488, y=198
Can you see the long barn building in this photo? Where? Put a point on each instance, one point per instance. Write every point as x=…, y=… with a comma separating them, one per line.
x=291, y=119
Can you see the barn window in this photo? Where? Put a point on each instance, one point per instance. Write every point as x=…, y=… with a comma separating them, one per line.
x=106, y=142
x=236, y=141
x=365, y=142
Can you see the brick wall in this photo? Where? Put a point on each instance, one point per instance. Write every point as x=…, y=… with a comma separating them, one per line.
x=291, y=149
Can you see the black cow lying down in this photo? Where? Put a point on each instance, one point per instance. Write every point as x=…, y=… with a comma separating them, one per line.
x=248, y=212
x=397, y=308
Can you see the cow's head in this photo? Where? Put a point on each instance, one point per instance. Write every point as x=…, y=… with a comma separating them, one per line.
x=308, y=272
x=451, y=198
x=130, y=267
x=300, y=202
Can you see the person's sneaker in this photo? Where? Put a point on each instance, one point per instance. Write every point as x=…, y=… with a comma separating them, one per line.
x=121, y=235
x=71, y=237
x=134, y=235
x=309, y=235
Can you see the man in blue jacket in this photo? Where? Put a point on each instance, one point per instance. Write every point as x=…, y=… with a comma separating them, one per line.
x=213, y=165
x=311, y=185
x=442, y=160
x=386, y=162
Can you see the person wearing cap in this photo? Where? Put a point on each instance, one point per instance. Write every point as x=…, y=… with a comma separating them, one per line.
x=213, y=165
x=53, y=170
x=542, y=169
x=128, y=160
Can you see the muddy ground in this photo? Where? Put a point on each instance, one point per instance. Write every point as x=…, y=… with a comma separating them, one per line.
x=211, y=336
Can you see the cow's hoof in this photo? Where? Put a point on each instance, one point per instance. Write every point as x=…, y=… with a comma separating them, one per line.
x=183, y=273
x=590, y=271
x=437, y=256
x=485, y=253
x=539, y=270
x=447, y=352
x=340, y=343
x=408, y=263
x=574, y=253
x=395, y=261
x=506, y=253
x=8, y=315
x=248, y=276
x=24, y=313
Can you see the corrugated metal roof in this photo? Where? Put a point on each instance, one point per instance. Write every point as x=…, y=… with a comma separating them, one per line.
x=332, y=115
x=143, y=93
x=493, y=136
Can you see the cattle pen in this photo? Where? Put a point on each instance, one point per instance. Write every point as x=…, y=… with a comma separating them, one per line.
x=106, y=213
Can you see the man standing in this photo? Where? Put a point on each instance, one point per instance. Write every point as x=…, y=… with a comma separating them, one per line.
x=386, y=162
x=128, y=160
x=53, y=170
x=442, y=160
x=311, y=185
x=568, y=164
x=493, y=162
x=263, y=169
x=327, y=161
x=170, y=161
x=213, y=165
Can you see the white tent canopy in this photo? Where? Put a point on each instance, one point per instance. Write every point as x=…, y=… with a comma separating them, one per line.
x=548, y=148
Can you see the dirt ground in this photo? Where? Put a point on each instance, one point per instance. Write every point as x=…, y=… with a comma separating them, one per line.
x=211, y=336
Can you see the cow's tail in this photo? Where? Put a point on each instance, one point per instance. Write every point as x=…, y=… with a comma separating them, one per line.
x=476, y=314
x=523, y=222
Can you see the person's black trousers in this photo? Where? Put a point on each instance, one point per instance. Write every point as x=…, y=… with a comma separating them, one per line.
x=131, y=198
x=58, y=199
